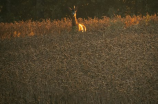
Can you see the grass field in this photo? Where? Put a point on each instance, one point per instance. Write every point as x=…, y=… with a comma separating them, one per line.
x=114, y=62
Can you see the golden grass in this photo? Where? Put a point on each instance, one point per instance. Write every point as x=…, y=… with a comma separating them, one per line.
x=30, y=28
x=115, y=61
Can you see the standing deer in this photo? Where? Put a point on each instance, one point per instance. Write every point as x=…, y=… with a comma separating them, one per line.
x=75, y=24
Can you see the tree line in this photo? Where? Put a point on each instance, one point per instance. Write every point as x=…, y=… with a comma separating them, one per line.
x=18, y=10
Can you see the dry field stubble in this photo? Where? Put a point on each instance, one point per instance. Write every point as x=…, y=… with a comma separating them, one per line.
x=115, y=61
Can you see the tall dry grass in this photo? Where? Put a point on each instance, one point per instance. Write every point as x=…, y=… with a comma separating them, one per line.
x=30, y=28
x=115, y=61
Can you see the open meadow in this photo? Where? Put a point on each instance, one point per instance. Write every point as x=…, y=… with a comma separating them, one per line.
x=114, y=62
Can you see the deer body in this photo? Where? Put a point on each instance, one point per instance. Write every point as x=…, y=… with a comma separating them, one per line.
x=75, y=24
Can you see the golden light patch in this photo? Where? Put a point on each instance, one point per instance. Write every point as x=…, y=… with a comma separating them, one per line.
x=81, y=28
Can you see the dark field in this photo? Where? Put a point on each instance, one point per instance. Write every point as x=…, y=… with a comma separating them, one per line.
x=114, y=62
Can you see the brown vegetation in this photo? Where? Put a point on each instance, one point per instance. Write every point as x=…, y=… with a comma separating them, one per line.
x=29, y=28
x=115, y=61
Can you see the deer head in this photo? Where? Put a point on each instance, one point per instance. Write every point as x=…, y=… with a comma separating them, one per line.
x=73, y=11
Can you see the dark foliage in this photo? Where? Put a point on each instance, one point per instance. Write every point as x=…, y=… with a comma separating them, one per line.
x=56, y=9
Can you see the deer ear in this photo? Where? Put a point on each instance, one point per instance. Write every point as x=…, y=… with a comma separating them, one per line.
x=69, y=8
x=75, y=8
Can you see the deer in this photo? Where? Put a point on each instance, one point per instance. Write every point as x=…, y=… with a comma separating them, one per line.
x=75, y=25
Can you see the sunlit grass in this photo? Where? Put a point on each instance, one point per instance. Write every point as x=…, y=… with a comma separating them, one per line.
x=30, y=28
x=115, y=61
